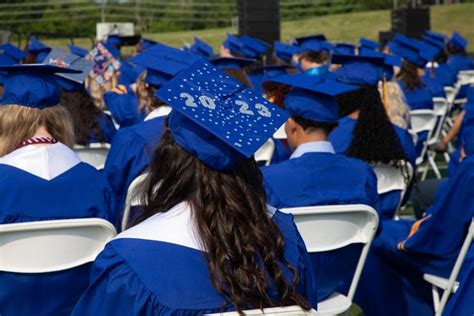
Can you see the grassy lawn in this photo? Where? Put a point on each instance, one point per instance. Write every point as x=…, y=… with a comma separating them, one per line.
x=339, y=27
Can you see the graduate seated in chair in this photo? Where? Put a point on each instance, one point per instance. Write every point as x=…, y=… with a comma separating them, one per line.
x=365, y=131
x=458, y=58
x=232, y=251
x=315, y=175
x=43, y=179
x=392, y=282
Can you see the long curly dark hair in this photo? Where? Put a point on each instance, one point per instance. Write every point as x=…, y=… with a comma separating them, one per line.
x=244, y=247
x=409, y=76
x=85, y=115
x=374, y=138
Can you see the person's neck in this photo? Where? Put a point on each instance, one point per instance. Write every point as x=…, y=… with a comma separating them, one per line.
x=41, y=132
x=312, y=137
x=354, y=115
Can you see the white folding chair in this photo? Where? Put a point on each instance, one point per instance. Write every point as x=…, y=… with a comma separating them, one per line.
x=391, y=178
x=325, y=228
x=94, y=154
x=280, y=133
x=450, y=93
x=466, y=77
x=423, y=121
x=280, y=311
x=132, y=198
x=265, y=153
x=49, y=246
x=449, y=286
x=107, y=112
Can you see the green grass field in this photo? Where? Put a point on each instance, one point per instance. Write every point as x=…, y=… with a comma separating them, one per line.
x=339, y=27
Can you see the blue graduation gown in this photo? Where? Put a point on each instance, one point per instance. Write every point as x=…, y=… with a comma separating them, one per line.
x=282, y=151
x=392, y=282
x=152, y=275
x=80, y=192
x=460, y=62
x=444, y=74
x=323, y=178
x=341, y=138
x=435, y=87
x=130, y=154
x=107, y=128
x=418, y=99
x=124, y=107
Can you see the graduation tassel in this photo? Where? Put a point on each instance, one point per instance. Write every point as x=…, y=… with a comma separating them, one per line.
x=384, y=91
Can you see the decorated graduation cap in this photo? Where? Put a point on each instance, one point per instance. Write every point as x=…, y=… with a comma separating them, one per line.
x=12, y=51
x=78, y=51
x=344, y=48
x=201, y=48
x=69, y=81
x=38, y=48
x=252, y=47
x=229, y=63
x=359, y=70
x=217, y=119
x=458, y=41
x=284, y=51
x=232, y=43
x=366, y=43
x=33, y=85
x=313, y=98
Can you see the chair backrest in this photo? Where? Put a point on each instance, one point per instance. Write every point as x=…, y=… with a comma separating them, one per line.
x=456, y=268
x=331, y=227
x=466, y=76
x=49, y=246
x=265, y=153
x=132, y=198
x=423, y=121
x=280, y=311
x=391, y=178
x=94, y=154
x=441, y=107
x=280, y=133
x=450, y=93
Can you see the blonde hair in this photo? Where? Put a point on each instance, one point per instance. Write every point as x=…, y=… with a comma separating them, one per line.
x=18, y=123
x=145, y=94
x=395, y=104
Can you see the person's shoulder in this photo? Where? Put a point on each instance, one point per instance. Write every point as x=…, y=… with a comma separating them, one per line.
x=142, y=130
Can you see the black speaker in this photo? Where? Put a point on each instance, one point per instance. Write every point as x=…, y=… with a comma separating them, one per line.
x=260, y=19
x=411, y=21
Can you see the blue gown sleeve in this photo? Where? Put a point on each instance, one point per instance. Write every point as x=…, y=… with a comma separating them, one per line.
x=127, y=158
x=115, y=289
x=108, y=128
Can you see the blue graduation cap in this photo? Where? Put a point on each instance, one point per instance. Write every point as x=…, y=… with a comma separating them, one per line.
x=252, y=47
x=38, y=48
x=69, y=81
x=166, y=59
x=201, y=48
x=458, y=41
x=312, y=97
x=298, y=41
x=359, y=70
x=366, y=43
x=229, y=63
x=129, y=73
x=5, y=61
x=32, y=85
x=232, y=43
x=266, y=73
x=436, y=36
x=13, y=52
x=114, y=41
x=216, y=118
x=415, y=52
x=344, y=48
x=78, y=51
x=433, y=42
x=147, y=43
x=390, y=61
x=284, y=51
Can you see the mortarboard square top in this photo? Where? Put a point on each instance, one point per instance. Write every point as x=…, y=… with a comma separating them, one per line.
x=201, y=48
x=458, y=41
x=429, y=40
x=436, y=36
x=12, y=51
x=344, y=48
x=284, y=51
x=147, y=43
x=233, y=43
x=298, y=41
x=76, y=50
x=216, y=118
x=252, y=47
x=35, y=46
x=313, y=98
x=32, y=85
x=165, y=59
x=359, y=70
x=366, y=43
x=229, y=63
x=415, y=52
